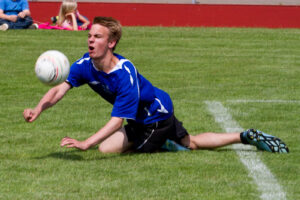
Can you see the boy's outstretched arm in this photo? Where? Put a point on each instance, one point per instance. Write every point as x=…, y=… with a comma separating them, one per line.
x=50, y=98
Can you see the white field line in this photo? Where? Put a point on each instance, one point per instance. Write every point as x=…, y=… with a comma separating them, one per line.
x=264, y=179
x=264, y=101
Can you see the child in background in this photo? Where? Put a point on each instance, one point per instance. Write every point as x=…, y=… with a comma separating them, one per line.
x=69, y=16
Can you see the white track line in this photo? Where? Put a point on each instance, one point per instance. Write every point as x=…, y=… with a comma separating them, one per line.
x=264, y=179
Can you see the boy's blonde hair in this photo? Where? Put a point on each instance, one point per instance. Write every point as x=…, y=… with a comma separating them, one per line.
x=66, y=6
x=114, y=26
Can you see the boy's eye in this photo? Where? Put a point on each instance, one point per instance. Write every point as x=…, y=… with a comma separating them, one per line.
x=96, y=36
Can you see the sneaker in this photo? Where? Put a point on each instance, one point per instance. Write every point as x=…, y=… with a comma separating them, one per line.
x=3, y=27
x=265, y=142
x=170, y=145
x=33, y=26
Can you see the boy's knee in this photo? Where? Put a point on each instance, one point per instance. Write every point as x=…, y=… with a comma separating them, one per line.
x=103, y=148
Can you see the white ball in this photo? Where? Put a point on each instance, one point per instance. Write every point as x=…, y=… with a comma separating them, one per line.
x=52, y=67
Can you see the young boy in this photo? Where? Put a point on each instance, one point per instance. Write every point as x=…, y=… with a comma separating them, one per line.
x=147, y=109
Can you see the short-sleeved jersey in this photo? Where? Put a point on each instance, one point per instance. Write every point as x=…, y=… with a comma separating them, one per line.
x=133, y=97
x=10, y=7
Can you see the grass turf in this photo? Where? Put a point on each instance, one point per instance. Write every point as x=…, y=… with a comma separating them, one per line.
x=193, y=65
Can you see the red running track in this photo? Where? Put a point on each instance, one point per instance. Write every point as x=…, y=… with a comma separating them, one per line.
x=135, y=14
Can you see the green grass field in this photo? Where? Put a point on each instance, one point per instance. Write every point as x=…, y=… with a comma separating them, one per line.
x=193, y=65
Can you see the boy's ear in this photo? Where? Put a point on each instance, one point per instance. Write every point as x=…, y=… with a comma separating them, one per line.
x=112, y=44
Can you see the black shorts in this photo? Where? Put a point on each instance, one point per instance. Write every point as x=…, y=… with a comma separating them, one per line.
x=150, y=137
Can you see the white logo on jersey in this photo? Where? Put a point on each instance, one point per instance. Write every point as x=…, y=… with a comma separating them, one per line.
x=162, y=108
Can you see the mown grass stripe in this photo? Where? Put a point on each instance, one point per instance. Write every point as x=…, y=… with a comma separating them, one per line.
x=264, y=179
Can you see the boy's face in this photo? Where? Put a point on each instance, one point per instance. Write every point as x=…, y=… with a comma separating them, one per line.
x=98, y=41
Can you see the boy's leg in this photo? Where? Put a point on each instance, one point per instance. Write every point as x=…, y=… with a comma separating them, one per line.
x=253, y=137
x=116, y=143
x=210, y=140
x=21, y=23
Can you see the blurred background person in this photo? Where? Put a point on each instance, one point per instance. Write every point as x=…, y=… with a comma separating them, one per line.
x=70, y=18
x=15, y=14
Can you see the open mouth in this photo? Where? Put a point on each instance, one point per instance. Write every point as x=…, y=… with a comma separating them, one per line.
x=91, y=48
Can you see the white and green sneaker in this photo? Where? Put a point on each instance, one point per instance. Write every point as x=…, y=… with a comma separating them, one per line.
x=170, y=145
x=264, y=141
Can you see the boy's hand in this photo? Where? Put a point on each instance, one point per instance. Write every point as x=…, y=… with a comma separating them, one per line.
x=72, y=143
x=30, y=115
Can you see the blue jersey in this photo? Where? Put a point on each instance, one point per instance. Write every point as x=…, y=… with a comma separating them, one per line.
x=132, y=96
x=10, y=7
